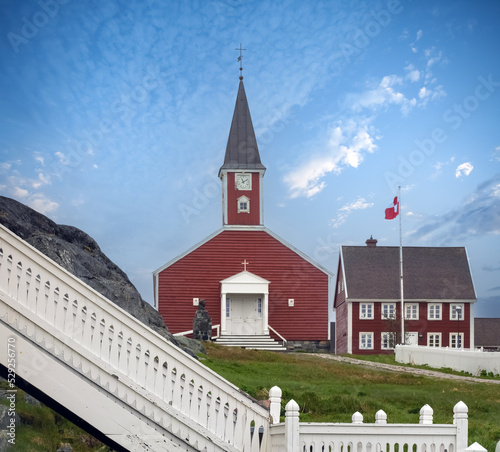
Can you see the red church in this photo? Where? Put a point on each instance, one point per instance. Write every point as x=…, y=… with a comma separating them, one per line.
x=257, y=288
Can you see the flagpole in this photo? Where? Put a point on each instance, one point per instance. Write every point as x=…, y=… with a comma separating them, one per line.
x=401, y=269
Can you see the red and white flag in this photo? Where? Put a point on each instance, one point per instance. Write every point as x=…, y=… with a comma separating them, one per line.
x=393, y=211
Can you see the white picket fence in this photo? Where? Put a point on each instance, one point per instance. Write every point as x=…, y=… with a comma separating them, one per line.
x=295, y=436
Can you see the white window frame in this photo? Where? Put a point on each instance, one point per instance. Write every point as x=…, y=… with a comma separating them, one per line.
x=453, y=338
x=387, y=338
x=241, y=200
x=431, y=308
x=409, y=308
x=386, y=309
x=364, y=307
x=434, y=336
x=364, y=339
x=453, y=311
x=228, y=310
x=259, y=308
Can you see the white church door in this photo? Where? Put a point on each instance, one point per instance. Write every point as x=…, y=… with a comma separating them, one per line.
x=245, y=315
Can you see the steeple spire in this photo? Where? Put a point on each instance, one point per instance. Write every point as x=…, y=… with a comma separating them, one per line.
x=242, y=151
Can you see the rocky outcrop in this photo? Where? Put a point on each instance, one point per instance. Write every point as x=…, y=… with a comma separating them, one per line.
x=78, y=253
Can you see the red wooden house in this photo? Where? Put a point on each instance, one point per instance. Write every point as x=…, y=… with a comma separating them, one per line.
x=254, y=283
x=438, y=298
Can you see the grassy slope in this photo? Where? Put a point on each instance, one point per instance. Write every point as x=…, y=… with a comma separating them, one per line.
x=329, y=391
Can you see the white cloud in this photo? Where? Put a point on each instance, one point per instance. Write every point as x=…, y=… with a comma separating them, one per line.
x=20, y=192
x=345, y=211
x=42, y=204
x=464, y=169
x=346, y=147
x=383, y=95
x=476, y=216
x=419, y=34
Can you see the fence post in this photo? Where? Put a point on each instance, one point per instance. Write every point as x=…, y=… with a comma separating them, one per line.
x=292, y=435
x=426, y=415
x=275, y=406
x=460, y=419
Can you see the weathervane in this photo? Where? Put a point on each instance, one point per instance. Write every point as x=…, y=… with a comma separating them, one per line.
x=240, y=60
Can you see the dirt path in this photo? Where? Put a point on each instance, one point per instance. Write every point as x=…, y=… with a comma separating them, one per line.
x=395, y=368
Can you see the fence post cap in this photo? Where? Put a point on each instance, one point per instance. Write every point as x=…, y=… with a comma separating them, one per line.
x=275, y=391
x=476, y=447
x=426, y=415
x=460, y=410
x=292, y=406
x=380, y=417
x=357, y=418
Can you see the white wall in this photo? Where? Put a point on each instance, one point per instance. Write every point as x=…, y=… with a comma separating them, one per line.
x=473, y=361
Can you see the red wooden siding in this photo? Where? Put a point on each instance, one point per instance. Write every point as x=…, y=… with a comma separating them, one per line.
x=251, y=218
x=198, y=275
x=377, y=325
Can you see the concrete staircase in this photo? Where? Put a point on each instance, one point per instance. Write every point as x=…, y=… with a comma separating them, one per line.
x=254, y=342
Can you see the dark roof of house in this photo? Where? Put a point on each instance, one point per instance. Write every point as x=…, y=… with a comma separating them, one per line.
x=242, y=151
x=428, y=273
x=486, y=332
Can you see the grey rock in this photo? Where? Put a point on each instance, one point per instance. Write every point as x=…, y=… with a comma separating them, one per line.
x=65, y=448
x=78, y=253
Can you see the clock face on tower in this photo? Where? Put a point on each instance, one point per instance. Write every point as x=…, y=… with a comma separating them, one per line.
x=243, y=181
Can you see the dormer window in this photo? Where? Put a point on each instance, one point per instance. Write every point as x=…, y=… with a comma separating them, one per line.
x=243, y=204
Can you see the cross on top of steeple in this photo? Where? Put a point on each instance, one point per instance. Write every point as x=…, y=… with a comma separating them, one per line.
x=240, y=58
x=245, y=263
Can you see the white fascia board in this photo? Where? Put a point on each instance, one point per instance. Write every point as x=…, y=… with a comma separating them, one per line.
x=470, y=273
x=410, y=300
x=341, y=258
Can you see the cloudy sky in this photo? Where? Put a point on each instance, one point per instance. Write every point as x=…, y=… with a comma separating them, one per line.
x=114, y=117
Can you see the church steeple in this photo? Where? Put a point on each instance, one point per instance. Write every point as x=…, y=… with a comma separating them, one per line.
x=242, y=151
x=242, y=171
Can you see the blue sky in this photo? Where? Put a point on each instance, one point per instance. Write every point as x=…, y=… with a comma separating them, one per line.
x=115, y=117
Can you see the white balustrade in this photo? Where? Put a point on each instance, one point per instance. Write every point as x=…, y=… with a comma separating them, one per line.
x=108, y=345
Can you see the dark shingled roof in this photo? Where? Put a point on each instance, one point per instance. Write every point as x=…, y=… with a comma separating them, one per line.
x=242, y=151
x=428, y=273
x=486, y=332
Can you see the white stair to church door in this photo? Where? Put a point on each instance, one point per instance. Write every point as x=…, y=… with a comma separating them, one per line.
x=254, y=342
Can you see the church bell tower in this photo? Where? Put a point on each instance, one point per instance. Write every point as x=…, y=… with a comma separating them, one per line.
x=242, y=172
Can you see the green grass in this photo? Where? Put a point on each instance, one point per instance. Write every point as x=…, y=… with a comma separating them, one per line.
x=331, y=391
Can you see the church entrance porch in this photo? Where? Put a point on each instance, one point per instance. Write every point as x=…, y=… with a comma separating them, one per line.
x=244, y=305
x=244, y=315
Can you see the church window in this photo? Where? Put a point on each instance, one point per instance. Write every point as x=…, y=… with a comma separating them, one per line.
x=259, y=307
x=228, y=304
x=243, y=204
x=366, y=341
